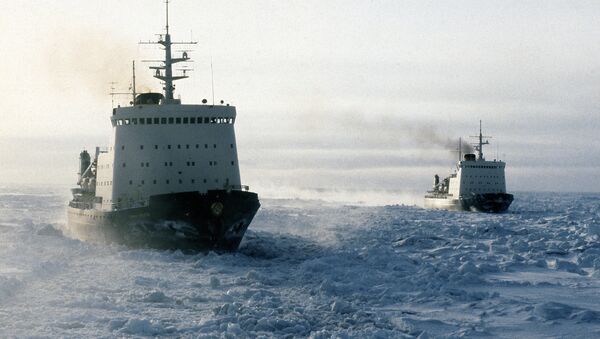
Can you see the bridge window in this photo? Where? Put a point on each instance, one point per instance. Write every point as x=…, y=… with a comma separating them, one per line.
x=163, y=120
x=142, y=121
x=171, y=120
x=185, y=120
x=192, y=120
x=206, y=120
x=156, y=121
x=178, y=120
x=148, y=121
x=134, y=121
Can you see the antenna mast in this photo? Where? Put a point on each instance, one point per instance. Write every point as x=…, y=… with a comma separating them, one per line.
x=164, y=72
x=212, y=81
x=480, y=143
x=459, y=148
x=133, y=92
x=112, y=93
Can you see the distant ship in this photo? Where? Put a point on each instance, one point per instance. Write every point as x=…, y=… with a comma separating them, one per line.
x=170, y=176
x=476, y=185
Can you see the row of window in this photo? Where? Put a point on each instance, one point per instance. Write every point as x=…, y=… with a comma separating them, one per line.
x=179, y=146
x=484, y=190
x=481, y=176
x=482, y=166
x=170, y=164
x=154, y=182
x=173, y=121
x=168, y=181
x=480, y=183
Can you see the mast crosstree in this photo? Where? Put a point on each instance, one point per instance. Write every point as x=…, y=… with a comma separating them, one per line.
x=479, y=145
x=164, y=72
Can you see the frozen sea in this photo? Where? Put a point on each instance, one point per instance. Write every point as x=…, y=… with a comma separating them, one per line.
x=310, y=268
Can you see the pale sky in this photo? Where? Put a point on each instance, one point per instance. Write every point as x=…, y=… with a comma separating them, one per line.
x=361, y=95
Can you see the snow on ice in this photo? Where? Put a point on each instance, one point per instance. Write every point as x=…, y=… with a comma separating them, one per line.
x=309, y=268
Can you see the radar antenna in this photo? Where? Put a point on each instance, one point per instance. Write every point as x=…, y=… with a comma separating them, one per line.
x=164, y=72
x=479, y=145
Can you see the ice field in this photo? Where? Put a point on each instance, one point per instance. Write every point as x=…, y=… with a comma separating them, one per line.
x=310, y=268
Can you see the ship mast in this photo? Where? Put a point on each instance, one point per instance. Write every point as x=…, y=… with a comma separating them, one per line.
x=479, y=145
x=164, y=72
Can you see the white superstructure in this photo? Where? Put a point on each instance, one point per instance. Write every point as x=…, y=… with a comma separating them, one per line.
x=158, y=149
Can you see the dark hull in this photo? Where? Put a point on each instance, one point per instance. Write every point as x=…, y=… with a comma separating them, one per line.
x=215, y=220
x=487, y=202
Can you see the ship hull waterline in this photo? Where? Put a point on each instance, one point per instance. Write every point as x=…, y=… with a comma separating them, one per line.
x=216, y=220
x=486, y=202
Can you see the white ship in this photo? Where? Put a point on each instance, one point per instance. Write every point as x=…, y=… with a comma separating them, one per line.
x=476, y=184
x=170, y=176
